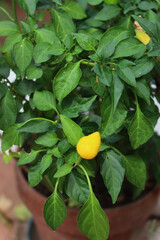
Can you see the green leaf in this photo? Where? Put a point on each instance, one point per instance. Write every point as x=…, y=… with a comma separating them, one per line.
x=126, y=74
x=105, y=76
x=128, y=47
x=34, y=72
x=90, y=167
x=4, y=67
x=73, y=105
x=25, y=27
x=25, y=87
x=56, y=206
x=55, y=152
x=25, y=116
x=92, y=221
x=69, y=42
x=76, y=187
x=94, y=2
x=59, y=163
x=63, y=24
x=92, y=22
x=142, y=67
x=108, y=12
x=56, y=49
x=74, y=9
x=7, y=28
x=32, y=23
x=10, y=41
x=115, y=34
x=140, y=129
x=97, y=86
x=11, y=137
x=46, y=161
x=148, y=26
x=86, y=41
x=23, y=52
x=3, y=89
x=63, y=170
x=49, y=139
x=45, y=35
x=41, y=53
x=72, y=131
x=143, y=91
x=135, y=169
x=126, y=23
x=64, y=146
x=145, y=5
x=59, y=2
x=118, y=87
x=29, y=6
x=36, y=126
x=126, y=63
x=113, y=173
x=44, y=100
x=155, y=52
x=111, y=120
x=152, y=16
x=83, y=3
x=66, y=80
x=107, y=51
x=151, y=112
x=34, y=174
x=26, y=158
x=8, y=111
x=72, y=157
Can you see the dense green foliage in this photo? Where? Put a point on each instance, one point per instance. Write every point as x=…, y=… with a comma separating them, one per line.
x=82, y=70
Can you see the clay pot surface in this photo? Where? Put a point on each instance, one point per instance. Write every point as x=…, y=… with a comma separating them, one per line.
x=123, y=220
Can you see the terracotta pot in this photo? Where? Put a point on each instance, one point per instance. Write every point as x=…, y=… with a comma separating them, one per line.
x=123, y=220
x=21, y=16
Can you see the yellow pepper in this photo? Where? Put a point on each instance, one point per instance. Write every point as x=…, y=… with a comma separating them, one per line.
x=143, y=37
x=88, y=146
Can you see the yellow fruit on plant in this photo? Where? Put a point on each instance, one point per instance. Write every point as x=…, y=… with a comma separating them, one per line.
x=88, y=146
x=143, y=37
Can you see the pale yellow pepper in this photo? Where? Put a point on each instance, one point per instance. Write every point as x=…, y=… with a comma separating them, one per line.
x=143, y=37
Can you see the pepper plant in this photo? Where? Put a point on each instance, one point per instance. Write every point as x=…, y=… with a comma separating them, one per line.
x=92, y=66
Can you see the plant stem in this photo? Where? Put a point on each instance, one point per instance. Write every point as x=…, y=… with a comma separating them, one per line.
x=43, y=119
x=112, y=63
x=158, y=2
x=78, y=162
x=88, y=63
x=137, y=104
x=14, y=12
x=116, y=150
x=7, y=13
x=56, y=186
x=88, y=180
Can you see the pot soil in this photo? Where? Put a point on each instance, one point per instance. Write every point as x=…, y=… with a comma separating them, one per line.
x=123, y=220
